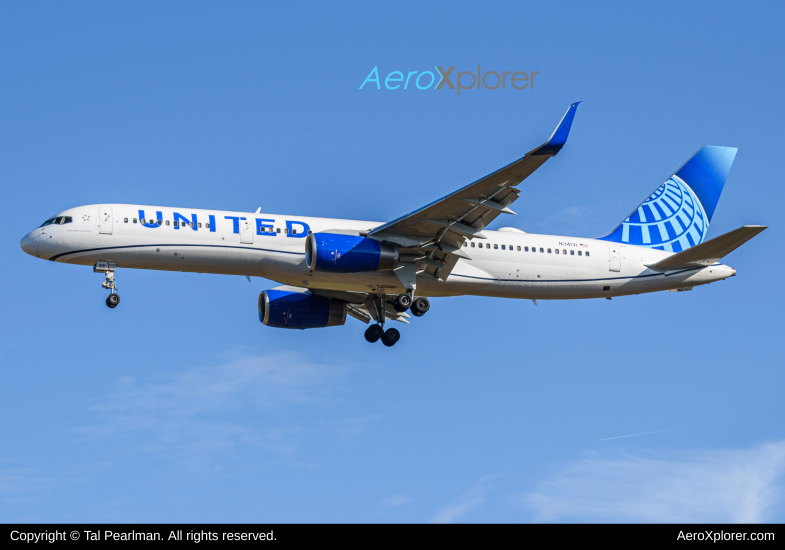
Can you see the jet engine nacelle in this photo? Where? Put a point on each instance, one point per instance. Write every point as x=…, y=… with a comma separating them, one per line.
x=284, y=309
x=348, y=253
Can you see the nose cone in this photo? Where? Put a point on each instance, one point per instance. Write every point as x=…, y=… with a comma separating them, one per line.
x=29, y=244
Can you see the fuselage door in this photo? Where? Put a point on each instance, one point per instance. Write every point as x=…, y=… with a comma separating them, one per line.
x=614, y=257
x=246, y=231
x=105, y=222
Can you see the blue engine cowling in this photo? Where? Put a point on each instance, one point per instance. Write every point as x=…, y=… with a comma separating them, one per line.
x=285, y=309
x=348, y=253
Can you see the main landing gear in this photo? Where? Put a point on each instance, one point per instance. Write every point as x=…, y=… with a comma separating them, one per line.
x=389, y=337
x=419, y=306
x=401, y=303
x=107, y=268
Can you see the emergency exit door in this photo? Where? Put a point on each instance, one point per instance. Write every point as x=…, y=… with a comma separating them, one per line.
x=105, y=222
x=246, y=231
x=614, y=257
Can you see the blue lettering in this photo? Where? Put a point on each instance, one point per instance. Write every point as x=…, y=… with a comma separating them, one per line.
x=375, y=71
x=149, y=223
x=212, y=223
x=261, y=228
x=405, y=86
x=178, y=217
x=300, y=234
x=429, y=84
x=235, y=223
x=391, y=79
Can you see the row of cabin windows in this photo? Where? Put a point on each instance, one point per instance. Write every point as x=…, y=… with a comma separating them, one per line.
x=162, y=222
x=526, y=249
x=199, y=224
x=59, y=220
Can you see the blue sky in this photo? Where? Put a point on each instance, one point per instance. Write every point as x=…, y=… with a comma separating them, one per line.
x=180, y=406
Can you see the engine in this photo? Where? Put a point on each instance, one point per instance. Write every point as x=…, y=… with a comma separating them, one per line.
x=348, y=253
x=285, y=309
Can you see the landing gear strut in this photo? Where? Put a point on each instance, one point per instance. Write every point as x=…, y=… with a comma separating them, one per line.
x=375, y=332
x=107, y=268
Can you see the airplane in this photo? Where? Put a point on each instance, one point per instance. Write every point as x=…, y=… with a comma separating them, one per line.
x=376, y=272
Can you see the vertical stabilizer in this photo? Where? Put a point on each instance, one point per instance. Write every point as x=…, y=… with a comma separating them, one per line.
x=677, y=215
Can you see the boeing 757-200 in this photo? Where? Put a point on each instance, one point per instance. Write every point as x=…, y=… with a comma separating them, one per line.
x=375, y=272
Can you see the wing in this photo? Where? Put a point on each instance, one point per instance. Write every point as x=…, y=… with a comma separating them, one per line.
x=363, y=306
x=432, y=236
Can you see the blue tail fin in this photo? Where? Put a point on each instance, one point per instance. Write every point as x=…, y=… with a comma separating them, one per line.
x=677, y=215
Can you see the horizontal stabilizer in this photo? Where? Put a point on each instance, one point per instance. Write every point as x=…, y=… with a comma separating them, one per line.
x=709, y=252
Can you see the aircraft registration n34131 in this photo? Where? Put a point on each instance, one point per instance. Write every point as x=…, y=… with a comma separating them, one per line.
x=375, y=272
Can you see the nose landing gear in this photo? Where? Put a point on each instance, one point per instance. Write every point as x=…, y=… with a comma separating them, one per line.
x=107, y=268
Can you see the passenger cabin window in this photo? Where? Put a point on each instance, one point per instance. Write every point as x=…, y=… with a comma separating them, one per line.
x=580, y=253
x=125, y=220
x=519, y=249
x=200, y=224
x=587, y=252
x=526, y=248
x=465, y=245
x=557, y=251
x=191, y=225
x=176, y=223
x=142, y=221
x=167, y=222
x=207, y=225
x=472, y=245
x=278, y=230
x=503, y=248
x=572, y=253
x=160, y=222
x=496, y=246
x=541, y=251
x=134, y=220
x=564, y=251
x=549, y=251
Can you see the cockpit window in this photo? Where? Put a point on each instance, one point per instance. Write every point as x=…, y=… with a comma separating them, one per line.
x=59, y=220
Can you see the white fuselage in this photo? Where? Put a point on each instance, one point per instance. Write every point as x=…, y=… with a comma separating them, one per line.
x=273, y=246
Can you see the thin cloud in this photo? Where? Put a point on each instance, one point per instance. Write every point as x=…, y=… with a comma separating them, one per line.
x=708, y=486
x=470, y=500
x=394, y=501
x=189, y=414
x=636, y=435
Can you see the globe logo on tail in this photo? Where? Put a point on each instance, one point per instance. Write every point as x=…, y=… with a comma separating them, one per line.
x=672, y=218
